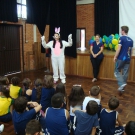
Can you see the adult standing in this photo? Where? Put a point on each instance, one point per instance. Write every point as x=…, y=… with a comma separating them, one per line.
x=122, y=58
x=57, y=47
x=96, y=56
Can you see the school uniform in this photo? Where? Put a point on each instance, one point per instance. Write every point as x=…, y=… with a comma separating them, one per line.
x=85, y=123
x=46, y=96
x=20, y=120
x=107, y=123
x=5, y=103
x=15, y=91
x=56, y=121
x=87, y=99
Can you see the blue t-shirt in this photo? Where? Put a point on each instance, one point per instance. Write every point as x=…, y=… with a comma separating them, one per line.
x=20, y=120
x=46, y=97
x=56, y=122
x=107, y=122
x=126, y=48
x=96, y=49
x=85, y=123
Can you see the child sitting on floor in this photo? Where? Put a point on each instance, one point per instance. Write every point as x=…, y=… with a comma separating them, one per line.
x=33, y=128
x=15, y=89
x=5, y=104
x=4, y=80
x=86, y=122
x=21, y=116
x=130, y=128
x=47, y=92
x=109, y=117
x=75, y=98
x=57, y=118
x=35, y=94
x=94, y=95
x=26, y=86
x=61, y=88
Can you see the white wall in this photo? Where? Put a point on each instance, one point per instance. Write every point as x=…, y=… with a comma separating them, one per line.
x=127, y=16
x=84, y=2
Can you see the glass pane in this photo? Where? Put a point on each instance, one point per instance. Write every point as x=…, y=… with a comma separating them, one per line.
x=24, y=12
x=24, y=2
x=82, y=39
x=19, y=1
x=19, y=11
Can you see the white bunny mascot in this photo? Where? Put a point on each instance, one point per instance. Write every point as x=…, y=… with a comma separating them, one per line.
x=57, y=54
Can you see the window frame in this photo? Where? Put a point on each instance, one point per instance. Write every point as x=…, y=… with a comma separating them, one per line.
x=21, y=10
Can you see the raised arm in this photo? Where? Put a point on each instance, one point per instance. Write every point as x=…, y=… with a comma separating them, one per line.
x=69, y=43
x=35, y=105
x=48, y=45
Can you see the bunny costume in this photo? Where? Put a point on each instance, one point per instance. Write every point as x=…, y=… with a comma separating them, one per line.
x=57, y=55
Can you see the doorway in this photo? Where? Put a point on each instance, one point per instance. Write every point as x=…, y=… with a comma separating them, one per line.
x=10, y=58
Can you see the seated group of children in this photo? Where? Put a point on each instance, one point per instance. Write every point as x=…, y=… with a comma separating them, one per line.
x=57, y=113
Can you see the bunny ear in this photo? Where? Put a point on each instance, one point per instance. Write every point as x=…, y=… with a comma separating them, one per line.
x=56, y=30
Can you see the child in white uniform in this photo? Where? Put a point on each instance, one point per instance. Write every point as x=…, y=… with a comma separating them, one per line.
x=57, y=54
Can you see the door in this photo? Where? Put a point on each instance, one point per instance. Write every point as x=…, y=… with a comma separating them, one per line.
x=10, y=60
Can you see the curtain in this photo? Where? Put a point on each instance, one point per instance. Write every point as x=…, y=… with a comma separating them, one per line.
x=106, y=17
x=8, y=10
x=37, y=13
x=63, y=15
x=127, y=17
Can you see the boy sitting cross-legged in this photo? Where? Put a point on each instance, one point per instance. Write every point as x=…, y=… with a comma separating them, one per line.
x=109, y=117
x=86, y=122
x=21, y=116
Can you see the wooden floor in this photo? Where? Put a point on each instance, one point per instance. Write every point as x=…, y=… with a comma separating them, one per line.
x=108, y=89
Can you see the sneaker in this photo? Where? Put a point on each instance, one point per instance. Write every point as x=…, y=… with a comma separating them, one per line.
x=63, y=81
x=121, y=88
x=47, y=71
x=94, y=80
x=1, y=128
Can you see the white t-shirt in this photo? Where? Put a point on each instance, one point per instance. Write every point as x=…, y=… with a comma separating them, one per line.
x=77, y=107
x=87, y=99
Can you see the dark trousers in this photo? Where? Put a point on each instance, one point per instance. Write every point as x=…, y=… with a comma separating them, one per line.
x=96, y=66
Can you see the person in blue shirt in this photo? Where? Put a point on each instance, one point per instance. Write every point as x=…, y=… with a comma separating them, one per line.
x=47, y=92
x=122, y=58
x=130, y=128
x=21, y=116
x=96, y=56
x=86, y=122
x=57, y=118
x=110, y=122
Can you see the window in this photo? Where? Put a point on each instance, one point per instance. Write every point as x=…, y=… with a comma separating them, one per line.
x=80, y=38
x=21, y=9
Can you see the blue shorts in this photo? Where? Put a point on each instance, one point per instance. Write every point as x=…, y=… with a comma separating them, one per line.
x=6, y=118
